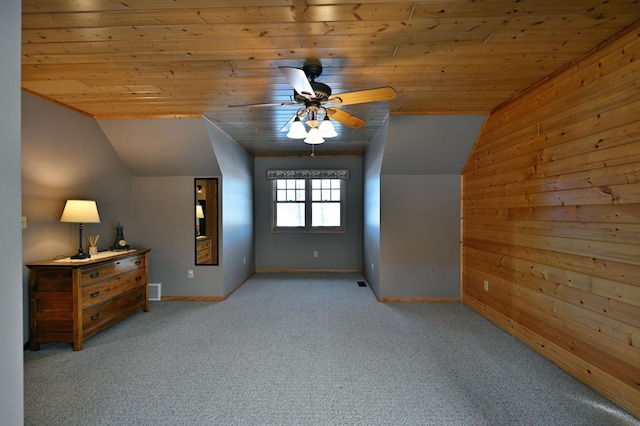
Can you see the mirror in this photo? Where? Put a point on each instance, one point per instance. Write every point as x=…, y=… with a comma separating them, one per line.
x=206, y=220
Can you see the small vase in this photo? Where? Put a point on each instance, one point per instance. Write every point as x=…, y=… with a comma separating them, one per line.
x=93, y=250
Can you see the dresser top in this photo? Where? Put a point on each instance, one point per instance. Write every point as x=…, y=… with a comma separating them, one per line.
x=102, y=256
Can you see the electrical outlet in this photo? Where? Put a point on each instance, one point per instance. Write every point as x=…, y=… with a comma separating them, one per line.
x=190, y=273
x=371, y=266
x=486, y=285
x=24, y=222
x=315, y=253
x=244, y=260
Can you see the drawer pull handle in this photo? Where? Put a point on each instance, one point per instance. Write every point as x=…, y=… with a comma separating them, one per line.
x=138, y=278
x=95, y=275
x=138, y=296
x=138, y=262
x=95, y=316
x=94, y=294
x=118, y=262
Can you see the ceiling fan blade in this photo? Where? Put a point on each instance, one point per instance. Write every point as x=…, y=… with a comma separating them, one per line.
x=263, y=105
x=346, y=118
x=298, y=79
x=363, y=96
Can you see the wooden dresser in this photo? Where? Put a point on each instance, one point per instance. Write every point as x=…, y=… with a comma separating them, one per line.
x=203, y=250
x=70, y=301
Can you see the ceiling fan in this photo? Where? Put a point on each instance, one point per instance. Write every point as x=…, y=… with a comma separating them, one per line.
x=319, y=105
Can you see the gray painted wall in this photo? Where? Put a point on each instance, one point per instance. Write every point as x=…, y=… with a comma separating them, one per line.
x=165, y=155
x=371, y=242
x=11, y=311
x=420, y=236
x=294, y=251
x=413, y=238
x=237, y=251
x=66, y=155
x=163, y=209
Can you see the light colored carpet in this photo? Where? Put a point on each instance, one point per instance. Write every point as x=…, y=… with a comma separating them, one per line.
x=305, y=349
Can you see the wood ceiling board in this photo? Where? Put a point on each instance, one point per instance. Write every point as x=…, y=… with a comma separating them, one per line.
x=162, y=58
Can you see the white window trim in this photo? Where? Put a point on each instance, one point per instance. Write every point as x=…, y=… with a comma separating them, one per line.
x=308, y=176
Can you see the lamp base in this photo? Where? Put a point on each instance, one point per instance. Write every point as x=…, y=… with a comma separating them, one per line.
x=81, y=255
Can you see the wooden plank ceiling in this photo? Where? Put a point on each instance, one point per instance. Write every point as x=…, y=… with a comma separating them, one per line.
x=185, y=58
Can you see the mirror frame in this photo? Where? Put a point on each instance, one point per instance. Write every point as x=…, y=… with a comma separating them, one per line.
x=206, y=229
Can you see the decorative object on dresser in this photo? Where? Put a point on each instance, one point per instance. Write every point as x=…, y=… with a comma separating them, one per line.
x=80, y=211
x=71, y=300
x=93, y=244
x=119, y=243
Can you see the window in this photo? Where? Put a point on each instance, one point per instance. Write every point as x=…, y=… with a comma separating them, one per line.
x=309, y=204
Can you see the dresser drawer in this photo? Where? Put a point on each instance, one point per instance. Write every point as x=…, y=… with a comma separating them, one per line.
x=110, y=287
x=203, y=256
x=112, y=309
x=204, y=243
x=203, y=250
x=107, y=269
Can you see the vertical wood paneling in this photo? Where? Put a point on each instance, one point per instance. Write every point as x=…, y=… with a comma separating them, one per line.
x=551, y=219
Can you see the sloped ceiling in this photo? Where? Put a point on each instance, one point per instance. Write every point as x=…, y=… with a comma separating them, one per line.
x=172, y=147
x=429, y=144
x=415, y=145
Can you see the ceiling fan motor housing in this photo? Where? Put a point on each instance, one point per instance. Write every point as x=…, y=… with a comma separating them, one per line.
x=321, y=91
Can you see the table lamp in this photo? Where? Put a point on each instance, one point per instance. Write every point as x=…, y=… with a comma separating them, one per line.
x=199, y=215
x=80, y=211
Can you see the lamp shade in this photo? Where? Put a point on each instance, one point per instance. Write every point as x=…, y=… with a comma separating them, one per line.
x=326, y=128
x=297, y=130
x=314, y=137
x=80, y=211
x=199, y=212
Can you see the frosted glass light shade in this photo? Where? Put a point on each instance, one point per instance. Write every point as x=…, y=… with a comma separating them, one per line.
x=314, y=137
x=80, y=211
x=326, y=128
x=297, y=130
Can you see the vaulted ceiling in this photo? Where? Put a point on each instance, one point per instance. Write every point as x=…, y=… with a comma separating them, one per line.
x=113, y=59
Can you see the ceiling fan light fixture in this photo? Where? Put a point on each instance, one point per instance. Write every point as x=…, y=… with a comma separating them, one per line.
x=312, y=123
x=297, y=130
x=326, y=128
x=314, y=137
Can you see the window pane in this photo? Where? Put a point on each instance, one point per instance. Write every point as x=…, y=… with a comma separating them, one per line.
x=290, y=214
x=291, y=205
x=325, y=214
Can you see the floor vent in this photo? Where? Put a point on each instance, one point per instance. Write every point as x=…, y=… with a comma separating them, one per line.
x=362, y=284
x=155, y=292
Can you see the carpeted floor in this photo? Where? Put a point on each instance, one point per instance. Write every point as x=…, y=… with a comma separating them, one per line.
x=305, y=349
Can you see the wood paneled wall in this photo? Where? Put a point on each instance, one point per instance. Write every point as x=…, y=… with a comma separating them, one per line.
x=551, y=219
